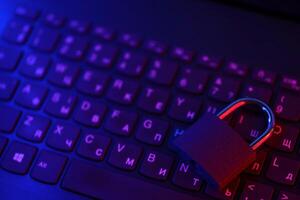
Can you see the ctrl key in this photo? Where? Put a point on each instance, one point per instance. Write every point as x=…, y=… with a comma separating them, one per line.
x=99, y=183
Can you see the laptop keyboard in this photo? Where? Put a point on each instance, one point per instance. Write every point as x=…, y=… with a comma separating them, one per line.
x=80, y=100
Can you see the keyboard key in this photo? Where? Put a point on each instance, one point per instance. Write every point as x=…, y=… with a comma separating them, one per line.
x=44, y=39
x=228, y=193
x=17, y=31
x=92, y=82
x=101, y=55
x=156, y=47
x=125, y=156
x=234, y=68
x=9, y=58
x=33, y=127
x=9, y=121
x=48, y=167
x=63, y=74
x=78, y=26
x=291, y=83
x=283, y=170
x=209, y=62
x=187, y=177
x=90, y=113
x=224, y=89
x=184, y=108
x=162, y=71
x=130, y=40
x=85, y=178
x=288, y=196
x=121, y=122
x=60, y=104
x=103, y=33
x=31, y=95
x=8, y=86
x=27, y=12
x=53, y=20
x=264, y=76
x=256, y=167
x=131, y=64
x=154, y=100
x=193, y=80
x=284, y=137
x=123, y=91
x=256, y=91
x=34, y=65
x=3, y=143
x=72, y=47
x=94, y=146
x=18, y=158
x=182, y=54
x=152, y=131
x=254, y=190
x=286, y=106
x=63, y=136
x=156, y=165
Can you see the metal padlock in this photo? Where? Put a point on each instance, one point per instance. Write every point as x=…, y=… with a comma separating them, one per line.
x=220, y=153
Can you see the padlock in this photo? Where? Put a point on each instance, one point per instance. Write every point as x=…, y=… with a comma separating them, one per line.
x=220, y=153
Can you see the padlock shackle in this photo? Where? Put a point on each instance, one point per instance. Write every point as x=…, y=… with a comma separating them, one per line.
x=265, y=108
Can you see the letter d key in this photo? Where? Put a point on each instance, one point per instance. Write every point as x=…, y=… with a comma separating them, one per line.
x=221, y=153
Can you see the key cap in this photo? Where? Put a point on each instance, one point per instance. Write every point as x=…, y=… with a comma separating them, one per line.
x=254, y=190
x=18, y=157
x=291, y=83
x=152, y=131
x=9, y=121
x=53, y=20
x=156, y=165
x=184, y=108
x=212, y=107
x=103, y=33
x=3, y=143
x=44, y=39
x=33, y=127
x=72, y=47
x=131, y=40
x=187, y=177
x=224, y=89
x=121, y=122
x=182, y=54
x=125, y=156
x=284, y=137
x=102, y=55
x=193, y=80
x=264, y=76
x=27, y=12
x=256, y=167
x=8, y=86
x=48, y=167
x=63, y=74
x=283, y=170
x=131, y=64
x=34, y=65
x=256, y=91
x=9, y=58
x=78, y=26
x=90, y=113
x=162, y=71
x=228, y=193
x=92, y=82
x=92, y=181
x=31, y=95
x=286, y=106
x=17, y=31
x=155, y=47
x=123, y=91
x=287, y=196
x=237, y=69
x=94, y=146
x=63, y=136
x=60, y=104
x=209, y=62
x=154, y=100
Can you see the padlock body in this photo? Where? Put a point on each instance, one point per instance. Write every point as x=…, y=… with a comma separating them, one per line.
x=219, y=151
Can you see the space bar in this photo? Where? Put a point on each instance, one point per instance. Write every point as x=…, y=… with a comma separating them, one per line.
x=102, y=184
